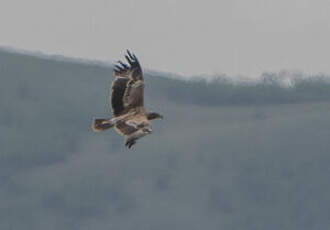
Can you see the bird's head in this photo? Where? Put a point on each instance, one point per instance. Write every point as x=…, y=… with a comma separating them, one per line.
x=152, y=116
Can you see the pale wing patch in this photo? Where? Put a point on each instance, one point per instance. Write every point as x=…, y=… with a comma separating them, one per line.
x=133, y=96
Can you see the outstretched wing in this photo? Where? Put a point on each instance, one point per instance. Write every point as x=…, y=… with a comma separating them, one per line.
x=127, y=88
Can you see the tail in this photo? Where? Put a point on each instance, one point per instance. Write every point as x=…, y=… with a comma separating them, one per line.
x=100, y=124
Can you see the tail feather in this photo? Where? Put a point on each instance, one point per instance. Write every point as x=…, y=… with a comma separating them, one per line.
x=100, y=124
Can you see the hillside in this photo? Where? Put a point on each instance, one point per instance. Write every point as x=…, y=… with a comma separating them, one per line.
x=228, y=155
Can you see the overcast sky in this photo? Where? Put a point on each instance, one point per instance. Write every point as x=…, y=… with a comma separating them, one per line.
x=244, y=37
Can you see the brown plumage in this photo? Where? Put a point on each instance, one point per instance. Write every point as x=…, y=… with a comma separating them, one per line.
x=131, y=119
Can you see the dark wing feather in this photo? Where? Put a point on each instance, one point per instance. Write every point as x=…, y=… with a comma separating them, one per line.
x=127, y=88
x=133, y=70
x=118, y=90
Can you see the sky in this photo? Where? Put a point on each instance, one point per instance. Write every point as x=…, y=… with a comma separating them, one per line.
x=234, y=37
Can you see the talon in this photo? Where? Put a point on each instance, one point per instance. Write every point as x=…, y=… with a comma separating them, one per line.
x=129, y=144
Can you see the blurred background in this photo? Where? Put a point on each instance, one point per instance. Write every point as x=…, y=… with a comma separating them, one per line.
x=230, y=154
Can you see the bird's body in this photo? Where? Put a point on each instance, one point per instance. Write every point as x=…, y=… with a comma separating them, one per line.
x=131, y=119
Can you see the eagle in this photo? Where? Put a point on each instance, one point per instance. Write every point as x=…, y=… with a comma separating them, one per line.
x=130, y=117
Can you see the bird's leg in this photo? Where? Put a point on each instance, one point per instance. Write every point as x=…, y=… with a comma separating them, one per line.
x=131, y=139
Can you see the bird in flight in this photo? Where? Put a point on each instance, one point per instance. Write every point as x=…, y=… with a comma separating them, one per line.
x=131, y=119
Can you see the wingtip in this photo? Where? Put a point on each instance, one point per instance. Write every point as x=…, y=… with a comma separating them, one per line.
x=129, y=60
x=132, y=62
x=118, y=69
x=129, y=52
x=132, y=55
x=123, y=65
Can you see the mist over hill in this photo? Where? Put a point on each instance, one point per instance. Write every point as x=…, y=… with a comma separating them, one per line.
x=228, y=155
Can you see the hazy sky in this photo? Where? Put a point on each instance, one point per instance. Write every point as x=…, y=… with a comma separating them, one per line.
x=189, y=37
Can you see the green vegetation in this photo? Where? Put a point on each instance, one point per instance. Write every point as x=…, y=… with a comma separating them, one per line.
x=227, y=155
